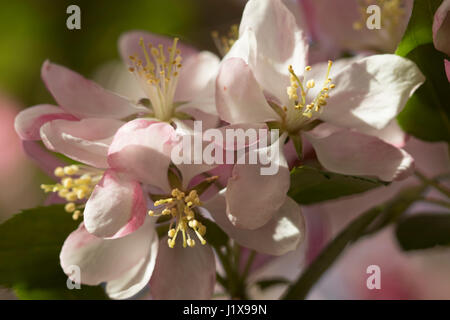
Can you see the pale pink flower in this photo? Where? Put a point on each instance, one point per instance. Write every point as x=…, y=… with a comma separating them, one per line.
x=141, y=150
x=265, y=78
x=83, y=127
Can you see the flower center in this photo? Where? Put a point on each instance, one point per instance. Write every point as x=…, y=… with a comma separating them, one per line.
x=300, y=111
x=158, y=76
x=76, y=183
x=179, y=207
x=392, y=12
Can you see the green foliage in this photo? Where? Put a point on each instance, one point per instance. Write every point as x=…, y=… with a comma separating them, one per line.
x=310, y=185
x=427, y=113
x=423, y=231
x=30, y=243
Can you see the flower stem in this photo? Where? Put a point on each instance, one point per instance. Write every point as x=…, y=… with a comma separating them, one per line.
x=248, y=265
x=444, y=190
x=438, y=202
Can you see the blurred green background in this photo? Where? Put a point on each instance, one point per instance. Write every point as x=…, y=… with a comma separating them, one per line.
x=34, y=30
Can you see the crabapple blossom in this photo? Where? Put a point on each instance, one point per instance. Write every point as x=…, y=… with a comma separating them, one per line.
x=339, y=107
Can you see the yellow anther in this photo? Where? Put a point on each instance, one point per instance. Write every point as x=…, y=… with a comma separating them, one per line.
x=76, y=215
x=73, y=188
x=171, y=243
x=59, y=172
x=315, y=105
x=151, y=213
x=67, y=182
x=70, y=207
x=159, y=75
x=181, y=208
x=193, y=224
x=71, y=170
x=190, y=243
x=62, y=193
x=71, y=196
x=171, y=233
x=81, y=194
x=310, y=84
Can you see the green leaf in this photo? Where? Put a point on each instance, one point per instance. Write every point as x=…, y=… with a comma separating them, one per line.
x=30, y=243
x=418, y=31
x=311, y=185
x=300, y=288
x=423, y=231
x=298, y=145
x=426, y=115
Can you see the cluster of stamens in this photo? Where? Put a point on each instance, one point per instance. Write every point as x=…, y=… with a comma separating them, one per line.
x=180, y=208
x=159, y=75
x=302, y=87
x=224, y=43
x=392, y=12
x=76, y=184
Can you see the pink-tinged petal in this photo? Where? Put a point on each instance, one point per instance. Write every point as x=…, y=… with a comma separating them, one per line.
x=188, y=153
x=198, y=72
x=46, y=161
x=223, y=172
x=194, y=110
x=116, y=207
x=183, y=273
x=239, y=98
x=447, y=69
x=281, y=234
x=255, y=192
x=371, y=91
x=137, y=278
x=102, y=260
x=392, y=134
x=432, y=159
x=349, y=152
x=82, y=97
x=86, y=140
x=29, y=121
x=279, y=43
x=336, y=30
x=129, y=45
x=441, y=28
x=142, y=148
